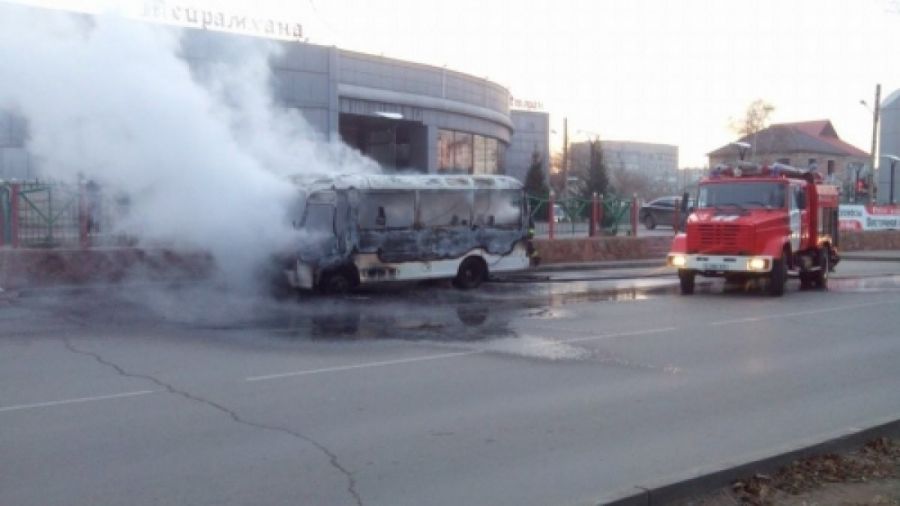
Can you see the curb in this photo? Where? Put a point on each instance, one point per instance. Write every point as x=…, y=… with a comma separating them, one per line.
x=869, y=258
x=706, y=480
x=612, y=264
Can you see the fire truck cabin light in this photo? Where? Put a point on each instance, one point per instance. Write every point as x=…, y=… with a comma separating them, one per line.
x=677, y=260
x=758, y=264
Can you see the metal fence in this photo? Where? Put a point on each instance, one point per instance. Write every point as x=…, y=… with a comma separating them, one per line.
x=573, y=217
x=37, y=214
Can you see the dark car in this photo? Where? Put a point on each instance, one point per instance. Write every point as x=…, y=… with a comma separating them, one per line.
x=661, y=211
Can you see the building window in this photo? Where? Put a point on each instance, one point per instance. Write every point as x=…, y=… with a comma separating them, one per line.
x=445, y=152
x=811, y=162
x=462, y=152
x=481, y=165
x=830, y=167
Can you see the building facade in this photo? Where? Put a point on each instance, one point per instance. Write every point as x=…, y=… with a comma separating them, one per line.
x=654, y=165
x=531, y=134
x=889, y=141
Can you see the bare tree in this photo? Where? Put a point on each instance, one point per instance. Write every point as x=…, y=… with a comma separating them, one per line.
x=755, y=118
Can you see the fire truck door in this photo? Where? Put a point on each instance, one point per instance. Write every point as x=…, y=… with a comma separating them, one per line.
x=795, y=219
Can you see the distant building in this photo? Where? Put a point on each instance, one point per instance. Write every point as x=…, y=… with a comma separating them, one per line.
x=890, y=145
x=531, y=133
x=657, y=163
x=803, y=144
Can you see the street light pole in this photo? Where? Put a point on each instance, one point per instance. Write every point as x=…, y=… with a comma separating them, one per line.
x=876, y=109
x=565, y=160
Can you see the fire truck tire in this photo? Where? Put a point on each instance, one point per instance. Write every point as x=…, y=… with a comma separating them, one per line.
x=686, y=281
x=778, y=276
x=820, y=277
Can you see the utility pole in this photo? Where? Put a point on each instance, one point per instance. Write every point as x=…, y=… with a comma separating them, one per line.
x=565, y=160
x=876, y=108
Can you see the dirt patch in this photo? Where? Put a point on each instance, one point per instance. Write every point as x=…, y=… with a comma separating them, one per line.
x=867, y=476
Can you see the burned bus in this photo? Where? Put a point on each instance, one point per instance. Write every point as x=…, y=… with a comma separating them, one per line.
x=364, y=229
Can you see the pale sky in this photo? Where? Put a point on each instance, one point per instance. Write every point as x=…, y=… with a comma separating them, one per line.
x=668, y=71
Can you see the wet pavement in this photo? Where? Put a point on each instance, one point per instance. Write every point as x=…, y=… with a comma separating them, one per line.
x=563, y=387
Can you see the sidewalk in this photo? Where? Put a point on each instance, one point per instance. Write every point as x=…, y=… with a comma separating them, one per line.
x=864, y=256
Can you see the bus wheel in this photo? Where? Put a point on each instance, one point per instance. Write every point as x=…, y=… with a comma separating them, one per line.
x=686, y=280
x=472, y=272
x=338, y=281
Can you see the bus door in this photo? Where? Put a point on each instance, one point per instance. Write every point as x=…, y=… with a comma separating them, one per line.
x=445, y=221
x=386, y=224
x=499, y=216
x=319, y=241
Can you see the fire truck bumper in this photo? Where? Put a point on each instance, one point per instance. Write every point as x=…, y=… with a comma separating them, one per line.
x=720, y=263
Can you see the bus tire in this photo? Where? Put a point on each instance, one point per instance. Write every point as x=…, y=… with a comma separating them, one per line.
x=778, y=276
x=338, y=281
x=686, y=279
x=472, y=272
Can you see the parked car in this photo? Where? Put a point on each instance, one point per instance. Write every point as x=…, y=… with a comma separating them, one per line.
x=661, y=211
x=559, y=214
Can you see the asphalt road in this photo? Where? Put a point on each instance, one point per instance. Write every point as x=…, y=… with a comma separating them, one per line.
x=567, y=388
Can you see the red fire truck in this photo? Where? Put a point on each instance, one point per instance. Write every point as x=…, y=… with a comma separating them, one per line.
x=759, y=221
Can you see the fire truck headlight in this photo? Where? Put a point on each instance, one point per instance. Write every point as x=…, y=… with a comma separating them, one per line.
x=757, y=264
x=677, y=260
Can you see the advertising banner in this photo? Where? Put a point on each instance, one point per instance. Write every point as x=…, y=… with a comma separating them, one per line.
x=862, y=217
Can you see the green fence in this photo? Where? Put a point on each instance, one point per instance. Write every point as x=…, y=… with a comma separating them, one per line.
x=36, y=214
x=575, y=218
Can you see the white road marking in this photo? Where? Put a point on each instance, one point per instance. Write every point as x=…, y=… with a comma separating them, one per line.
x=620, y=334
x=363, y=365
x=76, y=401
x=752, y=319
x=386, y=363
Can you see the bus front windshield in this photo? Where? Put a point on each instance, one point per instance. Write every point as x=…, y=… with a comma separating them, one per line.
x=319, y=219
x=768, y=195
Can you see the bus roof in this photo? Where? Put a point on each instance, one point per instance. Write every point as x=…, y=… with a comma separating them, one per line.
x=406, y=182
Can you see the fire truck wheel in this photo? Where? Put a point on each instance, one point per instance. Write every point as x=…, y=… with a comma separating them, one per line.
x=778, y=276
x=820, y=277
x=686, y=280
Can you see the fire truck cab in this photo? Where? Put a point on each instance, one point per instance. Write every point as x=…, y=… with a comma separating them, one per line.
x=759, y=221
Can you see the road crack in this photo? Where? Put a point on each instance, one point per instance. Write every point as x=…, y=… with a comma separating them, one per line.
x=332, y=457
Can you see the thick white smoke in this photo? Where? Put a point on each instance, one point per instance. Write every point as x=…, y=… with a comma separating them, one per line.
x=201, y=153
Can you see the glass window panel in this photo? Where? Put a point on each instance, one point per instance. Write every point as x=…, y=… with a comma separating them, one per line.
x=462, y=152
x=480, y=161
x=497, y=208
x=445, y=150
x=384, y=210
x=492, y=156
x=444, y=208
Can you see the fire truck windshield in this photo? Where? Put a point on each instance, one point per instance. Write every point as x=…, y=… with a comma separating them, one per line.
x=768, y=195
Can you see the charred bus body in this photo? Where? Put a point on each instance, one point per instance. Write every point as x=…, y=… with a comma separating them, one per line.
x=364, y=229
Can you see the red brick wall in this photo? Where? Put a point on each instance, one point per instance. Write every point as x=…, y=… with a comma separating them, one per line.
x=41, y=267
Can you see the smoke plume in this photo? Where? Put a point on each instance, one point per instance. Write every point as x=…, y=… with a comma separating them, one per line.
x=200, y=149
